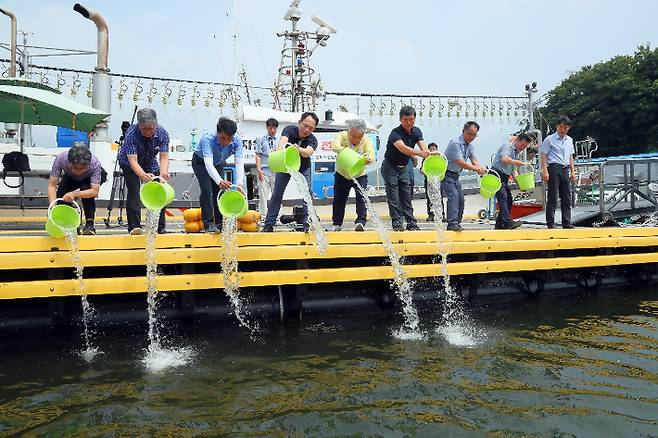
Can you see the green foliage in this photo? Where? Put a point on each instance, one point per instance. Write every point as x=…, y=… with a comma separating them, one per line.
x=615, y=102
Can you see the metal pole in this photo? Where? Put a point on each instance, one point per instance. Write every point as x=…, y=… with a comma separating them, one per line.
x=602, y=189
x=12, y=66
x=531, y=116
x=293, y=94
x=26, y=130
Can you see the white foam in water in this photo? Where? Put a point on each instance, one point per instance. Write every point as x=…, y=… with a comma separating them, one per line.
x=314, y=220
x=460, y=335
x=403, y=287
x=90, y=351
x=230, y=272
x=434, y=193
x=158, y=359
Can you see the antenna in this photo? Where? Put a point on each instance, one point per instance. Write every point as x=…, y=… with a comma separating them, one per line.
x=323, y=24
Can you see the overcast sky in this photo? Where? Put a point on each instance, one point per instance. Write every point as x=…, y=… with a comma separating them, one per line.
x=438, y=47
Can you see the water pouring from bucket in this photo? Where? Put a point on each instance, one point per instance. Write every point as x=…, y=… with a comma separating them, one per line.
x=232, y=204
x=156, y=194
x=350, y=163
x=62, y=218
x=285, y=160
x=435, y=167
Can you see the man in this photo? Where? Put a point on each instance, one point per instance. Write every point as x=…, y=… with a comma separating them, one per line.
x=76, y=173
x=208, y=162
x=137, y=158
x=432, y=147
x=557, y=166
x=395, y=168
x=354, y=138
x=264, y=146
x=300, y=136
x=458, y=151
x=504, y=161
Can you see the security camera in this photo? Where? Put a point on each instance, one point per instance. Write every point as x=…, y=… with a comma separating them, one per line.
x=319, y=21
x=293, y=12
x=534, y=85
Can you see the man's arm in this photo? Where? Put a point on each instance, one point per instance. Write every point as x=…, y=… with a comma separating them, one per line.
x=164, y=166
x=399, y=144
x=574, y=177
x=283, y=141
x=134, y=165
x=305, y=152
x=336, y=143
x=261, y=175
x=423, y=146
x=510, y=162
x=52, y=189
x=475, y=166
x=544, y=166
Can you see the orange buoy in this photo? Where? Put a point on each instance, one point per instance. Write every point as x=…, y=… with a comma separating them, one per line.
x=190, y=215
x=192, y=227
x=250, y=227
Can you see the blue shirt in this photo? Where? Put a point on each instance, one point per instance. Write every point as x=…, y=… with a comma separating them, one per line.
x=458, y=149
x=559, y=149
x=393, y=154
x=292, y=132
x=506, y=150
x=208, y=146
x=264, y=146
x=146, y=149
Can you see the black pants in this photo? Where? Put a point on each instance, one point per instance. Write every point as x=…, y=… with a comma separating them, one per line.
x=342, y=187
x=68, y=184
x=134, y=204
x=504, y=198
x=558, y=183
x=208, y=192
x=398, y=194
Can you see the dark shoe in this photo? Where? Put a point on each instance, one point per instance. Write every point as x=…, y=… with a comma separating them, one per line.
x=398, y=228
x=267, y=229
x=88, y=229
x=568, y=227
x=359, y=227
x=551, y=226
x=413, y=227
x=212, y=228
x=162, y=231
x=456, y=227
x=430, y=218
x=306, y=228
x=513, y=225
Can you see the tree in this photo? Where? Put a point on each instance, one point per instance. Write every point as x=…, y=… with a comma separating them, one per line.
x=615, y=102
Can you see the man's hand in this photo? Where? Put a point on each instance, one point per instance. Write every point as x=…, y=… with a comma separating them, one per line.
x=574, y=177
x=165, y=176
x=480, y=170
x=69, y=197
x=240, y=189
x=261, y=175
x=422, y=153
x=147, y=177
x=224, y=185
x=519, y=163
x=368, y=160
x=544, y=175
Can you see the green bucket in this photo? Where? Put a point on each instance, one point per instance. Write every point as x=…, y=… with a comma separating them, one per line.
x=63, y=216
x=283, y=159
x=350, y=163
x=156, y=194
x=53, y=230
x=526, y=181
x=489, y=184
x=232, y=203
x=435, y=166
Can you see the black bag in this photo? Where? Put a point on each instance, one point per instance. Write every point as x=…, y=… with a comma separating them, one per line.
x=17, y=162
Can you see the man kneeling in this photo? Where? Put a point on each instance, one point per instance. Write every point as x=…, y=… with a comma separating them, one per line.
x=76, y=173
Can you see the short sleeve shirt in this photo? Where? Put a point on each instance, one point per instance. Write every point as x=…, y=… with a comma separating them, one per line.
x=292, y=132
x=146, y=149
x=264, y=146
x=558, y=149
x=506, y=150
x=393, y=154
x=62, y=164
x=458, y=149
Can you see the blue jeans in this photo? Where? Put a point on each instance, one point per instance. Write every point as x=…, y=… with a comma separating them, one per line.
x=280, y=183
x=398, y=194
x=451, y=189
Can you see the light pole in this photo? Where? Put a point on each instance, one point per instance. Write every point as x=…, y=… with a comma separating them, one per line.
x=530, y=91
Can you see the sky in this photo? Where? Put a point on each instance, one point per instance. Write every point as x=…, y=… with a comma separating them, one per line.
x=460, y=47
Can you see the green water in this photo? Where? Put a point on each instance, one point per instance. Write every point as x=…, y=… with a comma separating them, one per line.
x=564, y=365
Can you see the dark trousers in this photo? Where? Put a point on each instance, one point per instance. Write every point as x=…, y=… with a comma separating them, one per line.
x=558, y=183
x=430, y=213
x=134, y=204
x=398, y=194
x=68, y=184
x=280, y=183
x=451, y=189
x=504, y=198
x=208, y=192
x=342, y=187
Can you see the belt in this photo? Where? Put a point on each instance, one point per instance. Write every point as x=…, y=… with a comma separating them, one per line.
x=452, y=173
x=503, y=176
x=559, y=165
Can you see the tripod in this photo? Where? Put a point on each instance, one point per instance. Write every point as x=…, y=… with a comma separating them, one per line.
x=118, y=182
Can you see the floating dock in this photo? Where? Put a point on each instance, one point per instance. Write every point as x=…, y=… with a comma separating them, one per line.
x=284, y=269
